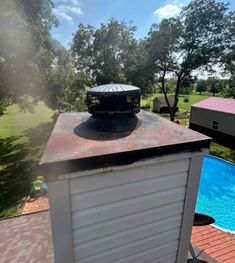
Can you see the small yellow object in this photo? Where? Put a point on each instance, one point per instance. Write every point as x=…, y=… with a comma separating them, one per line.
x=41, y=178
x=37, y=185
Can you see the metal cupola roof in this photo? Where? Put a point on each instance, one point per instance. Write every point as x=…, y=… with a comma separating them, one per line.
x=119, y=88
x=113, y=100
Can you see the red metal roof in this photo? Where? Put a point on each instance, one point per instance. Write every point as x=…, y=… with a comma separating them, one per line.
x=217, y=104
x=71, y=139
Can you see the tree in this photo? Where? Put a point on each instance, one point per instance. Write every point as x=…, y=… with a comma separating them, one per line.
x=229, y=91
x=26, y=49
x=215, y=85
x=201, y=86
x=229, y=62
x=66, y=86
x=187, y=86
x=202, y=40
x=82, y=49
x=138, y=69
x=103, y=53
x=162, y=44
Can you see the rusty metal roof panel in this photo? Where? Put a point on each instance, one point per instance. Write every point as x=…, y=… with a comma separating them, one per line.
x=76, y=146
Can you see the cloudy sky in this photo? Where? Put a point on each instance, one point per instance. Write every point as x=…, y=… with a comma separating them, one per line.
x=142, y=13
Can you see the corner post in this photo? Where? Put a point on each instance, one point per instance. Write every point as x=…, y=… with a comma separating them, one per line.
x=189, y=207
x=59, y=195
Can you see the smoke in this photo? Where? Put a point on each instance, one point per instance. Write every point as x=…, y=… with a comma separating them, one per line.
x=19, y=72
x=15, y=37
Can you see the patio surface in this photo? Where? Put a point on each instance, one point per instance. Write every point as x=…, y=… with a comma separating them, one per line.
x=27, y=238
x=215, y=242
x=35, y=205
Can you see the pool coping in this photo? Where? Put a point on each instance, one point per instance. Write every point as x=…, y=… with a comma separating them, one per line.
x=221, y=159
x=224, y=229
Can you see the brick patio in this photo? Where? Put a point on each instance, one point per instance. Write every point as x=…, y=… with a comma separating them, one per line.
x=216, y=243
x=35, y=205
x=27, y=238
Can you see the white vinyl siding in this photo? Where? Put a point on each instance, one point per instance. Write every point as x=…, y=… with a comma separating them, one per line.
x=131, y=215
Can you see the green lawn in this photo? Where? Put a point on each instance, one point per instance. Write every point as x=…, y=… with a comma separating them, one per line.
x=22, y=136
x=222, y=152
x=15, y=122
x=183, y=106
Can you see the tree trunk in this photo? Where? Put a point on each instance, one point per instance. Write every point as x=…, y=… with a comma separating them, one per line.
x=172, y=114
x=165, y=94
x=173, y=109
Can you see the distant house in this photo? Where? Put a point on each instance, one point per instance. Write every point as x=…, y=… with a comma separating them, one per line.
x=160, y=104
x=215, y=117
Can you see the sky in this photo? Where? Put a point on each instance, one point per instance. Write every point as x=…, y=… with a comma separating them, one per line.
x=141, y=13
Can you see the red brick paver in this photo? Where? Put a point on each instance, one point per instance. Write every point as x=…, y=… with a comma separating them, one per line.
x=37, y=204
x=216, y=243
x=26, y=239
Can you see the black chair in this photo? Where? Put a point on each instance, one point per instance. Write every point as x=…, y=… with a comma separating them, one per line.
x=199, y=220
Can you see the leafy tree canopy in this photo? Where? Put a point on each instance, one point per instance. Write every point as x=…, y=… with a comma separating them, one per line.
x=201, y=86
x=33, y=64
x=27, y=49
x=204, y=33
x=103, y=53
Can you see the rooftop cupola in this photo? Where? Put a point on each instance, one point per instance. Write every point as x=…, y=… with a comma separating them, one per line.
x=113, y=107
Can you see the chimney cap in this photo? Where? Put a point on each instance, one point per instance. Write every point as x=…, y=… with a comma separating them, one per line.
x=110, y=100
x=115, y=87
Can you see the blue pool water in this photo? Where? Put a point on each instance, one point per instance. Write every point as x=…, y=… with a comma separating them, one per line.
x=216, y=196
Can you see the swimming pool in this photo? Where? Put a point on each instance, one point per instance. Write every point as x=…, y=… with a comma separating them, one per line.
x=216, y=196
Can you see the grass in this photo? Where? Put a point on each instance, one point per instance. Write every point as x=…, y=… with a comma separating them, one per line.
x=22, y=136
x=222, y=152
x=15, y=122
x=183, y=106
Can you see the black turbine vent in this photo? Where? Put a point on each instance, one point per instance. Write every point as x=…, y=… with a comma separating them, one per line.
x=113, y=100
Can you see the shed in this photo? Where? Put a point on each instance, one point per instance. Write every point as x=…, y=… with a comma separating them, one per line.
x=160, y=104
x=215, y=117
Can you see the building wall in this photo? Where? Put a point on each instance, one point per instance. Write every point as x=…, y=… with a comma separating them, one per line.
x=130, y=215
x=205, y=118
x=161, y=106
x=142, y=212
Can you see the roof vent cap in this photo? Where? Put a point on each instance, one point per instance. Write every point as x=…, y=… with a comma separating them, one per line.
x=113, y=100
